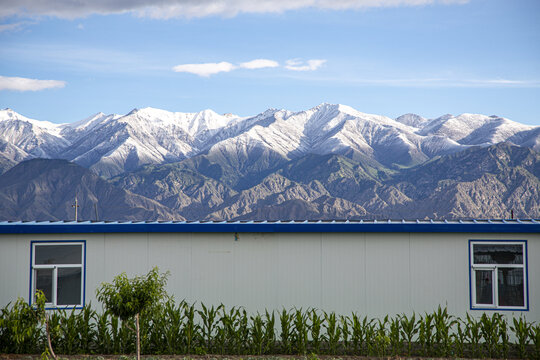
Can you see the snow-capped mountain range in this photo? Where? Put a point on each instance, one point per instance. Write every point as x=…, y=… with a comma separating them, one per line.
x=113, y=144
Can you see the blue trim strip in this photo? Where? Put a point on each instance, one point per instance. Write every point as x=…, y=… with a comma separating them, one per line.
x=277, y=227
x=84, y=275
x=470, y=278
x=527, y=272
x=30, y=297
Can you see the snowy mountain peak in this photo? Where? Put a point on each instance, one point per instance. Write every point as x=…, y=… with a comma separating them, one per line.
x=413, y=120
x=11, y=115
x=88, y=122
x=112, y=144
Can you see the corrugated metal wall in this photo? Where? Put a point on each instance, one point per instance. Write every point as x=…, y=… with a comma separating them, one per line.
x=369, y=273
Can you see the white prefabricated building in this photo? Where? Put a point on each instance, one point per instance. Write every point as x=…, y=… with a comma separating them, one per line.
x=373, y=268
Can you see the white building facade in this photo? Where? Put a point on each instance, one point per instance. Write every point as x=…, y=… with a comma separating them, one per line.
x=372, y=268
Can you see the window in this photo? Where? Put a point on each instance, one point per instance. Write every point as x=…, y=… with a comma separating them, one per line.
x=498, y=275
x=58, y=270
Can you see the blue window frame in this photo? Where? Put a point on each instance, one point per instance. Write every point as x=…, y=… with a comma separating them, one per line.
x=498, y=275
x=58, y=268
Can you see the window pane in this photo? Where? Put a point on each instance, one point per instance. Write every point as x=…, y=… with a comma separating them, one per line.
x=58, y=254
x=498, y=254
x=484, y=288
x=44, y=282
x=69, y=286
x=510, y=287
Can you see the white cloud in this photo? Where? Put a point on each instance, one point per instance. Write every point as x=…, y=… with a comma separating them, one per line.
x=189, y=8
x=259, y=64
x=25, y=84
x=299, y=65
x=205, y=69
x=14, y=26
x=433, y=82
x=208, y=69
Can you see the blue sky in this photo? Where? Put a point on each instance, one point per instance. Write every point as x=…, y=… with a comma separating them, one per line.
x=389, y=57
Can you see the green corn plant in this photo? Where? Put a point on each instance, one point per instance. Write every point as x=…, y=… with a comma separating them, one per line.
x=242, y=333
x=409, y=329
x=370, y=337
x=225, y=334
x=189, y=329
x=151, y=330
x=236, y=330
x=257, y=335
x=65, y=339
x=489, y=328
x=103, y=340
x=125, y=337
x=220, y=340
x=301, y=330
x=458, y=339
x=535, y=336
x=269, y=332
x=209, y=322
x=358, y=333
x=285, y=319
x=396, y=340
x=504, y=337
x=171, y=326
x=443, y=328
x=473, y=335
x=56, y=332
x=521, y=330
x=346, y=331
x=425, y=334
x=315, y=330
x=333, y=332
x=19, y=329
x=382, y=341
x=86, y=328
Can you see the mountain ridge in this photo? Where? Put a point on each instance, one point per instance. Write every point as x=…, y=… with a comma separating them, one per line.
x=480, y=182
x=113, y=144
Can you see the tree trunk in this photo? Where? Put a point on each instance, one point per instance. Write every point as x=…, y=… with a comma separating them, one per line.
x=138, y=337
x=47, y=329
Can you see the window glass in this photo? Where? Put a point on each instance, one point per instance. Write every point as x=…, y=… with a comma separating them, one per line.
x=68, y=286
x=44, y=282
x=510, y=286
x=498, y=254
x=58, y=254
x=484, y=287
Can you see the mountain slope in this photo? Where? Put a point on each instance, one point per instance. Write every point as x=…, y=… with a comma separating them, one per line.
x=183, y=190
x=480, y=182
x=42, y=189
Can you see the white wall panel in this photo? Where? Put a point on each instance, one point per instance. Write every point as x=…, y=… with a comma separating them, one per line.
x=212, y=268
x=373, y=274
x=298, y=268
x=125, y=253
x=388, y=279
x=255, y=271
x=172, y=252
x=343, y=272
x=438, y=259
x=14, y=269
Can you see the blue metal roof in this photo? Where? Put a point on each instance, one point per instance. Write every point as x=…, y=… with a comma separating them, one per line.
x=309, y=226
